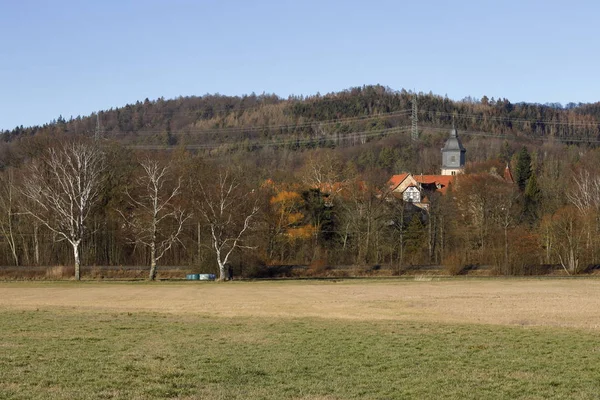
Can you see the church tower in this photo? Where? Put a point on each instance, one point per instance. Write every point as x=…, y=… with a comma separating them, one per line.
x=453, y=155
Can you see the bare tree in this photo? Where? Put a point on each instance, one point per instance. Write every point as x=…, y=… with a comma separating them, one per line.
x=8, y=210
x=155, y=221
x=585, y=196
x=585, y=193
x=228, y=210
x=503, y=215
x=568, y=237
x=323, y=171
x=62, y=189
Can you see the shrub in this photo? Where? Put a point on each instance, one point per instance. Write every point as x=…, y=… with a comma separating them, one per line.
x=60, y=272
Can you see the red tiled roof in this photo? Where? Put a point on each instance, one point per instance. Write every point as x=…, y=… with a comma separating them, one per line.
x=508, y=175
x=397, y=179
x=443, y=180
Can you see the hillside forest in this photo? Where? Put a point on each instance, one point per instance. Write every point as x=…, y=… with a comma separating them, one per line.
x=259, y=181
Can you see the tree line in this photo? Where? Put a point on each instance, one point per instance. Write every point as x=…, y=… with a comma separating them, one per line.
x=69, y=200
x=308, y=180
x=220, y=124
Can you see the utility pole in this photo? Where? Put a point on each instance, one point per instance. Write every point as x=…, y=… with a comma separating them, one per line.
x=415, y=119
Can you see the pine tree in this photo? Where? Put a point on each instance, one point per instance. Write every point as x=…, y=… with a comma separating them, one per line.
x=505, y=152
x=532, y=198
x=523, y=168
x=415, y=236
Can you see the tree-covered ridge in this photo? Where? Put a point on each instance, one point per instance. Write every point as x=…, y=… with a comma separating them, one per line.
x=348, y=117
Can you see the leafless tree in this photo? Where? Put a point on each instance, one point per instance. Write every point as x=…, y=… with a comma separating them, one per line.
x=8, y=210
x=568, y=237
x=325, y=172
x=228, y=210
x=503, y=215
x=585, y=196
x=153, y=218
x=62, y=188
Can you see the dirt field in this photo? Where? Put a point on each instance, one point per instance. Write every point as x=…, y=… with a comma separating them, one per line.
x=565, y=303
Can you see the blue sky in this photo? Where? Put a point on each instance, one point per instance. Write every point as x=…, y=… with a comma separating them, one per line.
x=75, y=57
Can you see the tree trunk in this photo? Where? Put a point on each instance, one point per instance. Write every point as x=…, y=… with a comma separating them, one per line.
x=367, y=244
x=77, y=259
x=442, y=240
x=573, y=261
x=36, y=245
x=152, y=275
x=431, y=232
x=222, y=272
x=199, y=245
x=25, y=251
x=506, y=262
x=401, y=253
x=13, y=248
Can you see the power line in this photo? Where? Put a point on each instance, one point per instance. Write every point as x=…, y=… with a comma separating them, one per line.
x=309, y=101
x=272, y=127
x=346, y=137
x=538, y=138
x=191, y=131
x=510, y=119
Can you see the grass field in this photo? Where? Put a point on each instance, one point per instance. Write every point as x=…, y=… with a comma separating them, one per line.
x=533, y=339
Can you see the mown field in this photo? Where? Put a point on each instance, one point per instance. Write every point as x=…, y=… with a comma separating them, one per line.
x=504, y=339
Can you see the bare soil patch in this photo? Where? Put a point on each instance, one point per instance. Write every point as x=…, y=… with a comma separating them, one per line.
x=565, y=303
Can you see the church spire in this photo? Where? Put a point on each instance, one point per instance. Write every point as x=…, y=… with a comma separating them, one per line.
x=453, y=154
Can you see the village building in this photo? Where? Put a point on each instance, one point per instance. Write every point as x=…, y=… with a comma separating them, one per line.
x=417, y=189
x=453, y=155
x=414, y=188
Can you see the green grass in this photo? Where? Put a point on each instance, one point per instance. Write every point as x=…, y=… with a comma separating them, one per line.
x=76, y=355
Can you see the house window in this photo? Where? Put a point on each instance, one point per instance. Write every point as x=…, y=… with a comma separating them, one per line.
x=412, y=196
x=453, y=159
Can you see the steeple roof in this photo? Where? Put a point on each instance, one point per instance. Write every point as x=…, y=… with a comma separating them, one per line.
x=453, y=143
x=508, y=175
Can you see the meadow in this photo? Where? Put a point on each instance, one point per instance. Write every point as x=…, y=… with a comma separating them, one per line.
x=387, y=339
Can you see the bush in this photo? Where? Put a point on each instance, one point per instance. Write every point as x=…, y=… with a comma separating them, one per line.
x=60, y=272
x=318, y=267
x=453, y=264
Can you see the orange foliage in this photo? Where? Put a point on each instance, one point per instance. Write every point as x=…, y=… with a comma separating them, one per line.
x=294, y=218
x=285, y=197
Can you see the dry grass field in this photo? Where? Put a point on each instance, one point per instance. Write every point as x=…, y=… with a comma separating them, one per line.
x=544, y=302
x=301, y=340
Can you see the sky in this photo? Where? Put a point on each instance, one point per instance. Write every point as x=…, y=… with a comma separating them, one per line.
x=75, y=57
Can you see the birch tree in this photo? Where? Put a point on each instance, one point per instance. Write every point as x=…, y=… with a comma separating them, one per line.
x=585, y=193
x=62, y=189
x=229, y=209
x=8, y=210
x=153, y=218
x=585, y=196
x=325, y=173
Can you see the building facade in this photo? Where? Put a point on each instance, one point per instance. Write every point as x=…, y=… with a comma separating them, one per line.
x=453, y=155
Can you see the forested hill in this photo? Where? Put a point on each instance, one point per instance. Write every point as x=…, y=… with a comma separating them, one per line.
x=225, y=123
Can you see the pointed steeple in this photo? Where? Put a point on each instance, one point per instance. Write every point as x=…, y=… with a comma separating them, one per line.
x=508, y=175
x=453, y=154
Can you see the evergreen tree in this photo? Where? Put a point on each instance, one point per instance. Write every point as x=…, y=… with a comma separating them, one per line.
x=505, y=152
x=415, y=237
x=387, y=158
x=523, y=168
x=532, y=198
